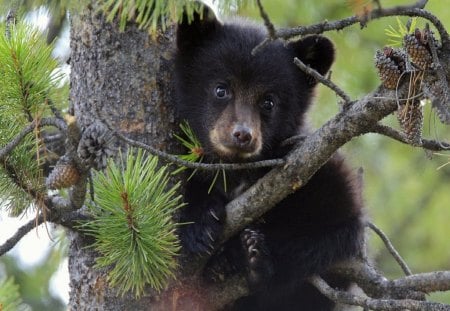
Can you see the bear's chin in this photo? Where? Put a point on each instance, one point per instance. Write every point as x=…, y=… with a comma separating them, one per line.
x=229, y=155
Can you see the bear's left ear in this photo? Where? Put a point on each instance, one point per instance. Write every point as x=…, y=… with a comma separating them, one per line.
x=315, y=51
x=202, y=25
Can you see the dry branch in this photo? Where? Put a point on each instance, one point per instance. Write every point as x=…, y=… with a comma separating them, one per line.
x=375, y=304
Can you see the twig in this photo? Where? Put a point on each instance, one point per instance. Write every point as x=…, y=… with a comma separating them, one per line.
x=270, y=30
x=28, y=129
x=53, y=108
x=322, y=79
x=374, y=304
x=293, y=140
x=392, y=133
x=194, y=165
x=411, y=10
x=59, y=211
x=20, y=233
x=270, y=27
x=390, y=248
x=261, y=46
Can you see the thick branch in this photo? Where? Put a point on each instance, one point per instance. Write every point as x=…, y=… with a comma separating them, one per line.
x=375, y=304
x=376, y=285
x=425, y=282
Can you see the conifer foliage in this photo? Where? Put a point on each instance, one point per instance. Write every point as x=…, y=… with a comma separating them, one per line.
x=28, y=78
x=132, y=222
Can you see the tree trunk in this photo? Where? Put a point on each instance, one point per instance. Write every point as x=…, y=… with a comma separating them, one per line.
x=124, y=78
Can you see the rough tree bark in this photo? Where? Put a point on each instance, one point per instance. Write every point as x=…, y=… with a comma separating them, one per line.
x=124, y=78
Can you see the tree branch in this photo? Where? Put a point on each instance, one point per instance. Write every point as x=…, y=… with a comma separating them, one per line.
x=390, y=248
x=415, y=10
x=396, y=135
x=327, y=82
x=20, y=233
x=28, y=129
x=374, y=304
x=195, y=165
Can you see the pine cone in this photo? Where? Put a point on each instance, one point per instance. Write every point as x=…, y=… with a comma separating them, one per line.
x=96, y=146
x=63, y=175
x=435, y=92
x=418, y=49
x=390, y=64
x=410, y=117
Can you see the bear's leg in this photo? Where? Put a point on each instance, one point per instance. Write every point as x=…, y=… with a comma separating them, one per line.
x=203, y=224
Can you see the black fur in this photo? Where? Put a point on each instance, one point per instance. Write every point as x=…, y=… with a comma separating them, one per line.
x=309, y=230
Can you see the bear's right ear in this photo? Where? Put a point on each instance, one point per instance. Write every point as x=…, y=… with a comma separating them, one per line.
x=193, y=31
x=315, y=51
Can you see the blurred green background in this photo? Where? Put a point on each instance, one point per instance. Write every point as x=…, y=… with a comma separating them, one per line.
x=406, y=194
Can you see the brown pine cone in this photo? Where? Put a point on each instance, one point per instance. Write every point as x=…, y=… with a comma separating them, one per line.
x=410, y=117
x=62, y=176
x=390, y=64
x=417, y=47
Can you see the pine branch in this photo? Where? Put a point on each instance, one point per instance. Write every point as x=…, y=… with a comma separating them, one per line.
x=59, y=211
x=8, y=148
x=20, y=233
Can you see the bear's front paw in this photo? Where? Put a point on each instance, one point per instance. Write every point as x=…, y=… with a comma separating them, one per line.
x=259, y=262
x=200, y=236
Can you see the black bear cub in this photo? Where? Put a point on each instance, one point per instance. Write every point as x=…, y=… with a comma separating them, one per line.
x=242, y=107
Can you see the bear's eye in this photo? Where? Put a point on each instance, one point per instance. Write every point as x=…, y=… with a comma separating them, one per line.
x=221, y=91
x=267, y=104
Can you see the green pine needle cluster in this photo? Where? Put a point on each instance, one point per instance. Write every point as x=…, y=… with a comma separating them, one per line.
x=191, y=142
x=27, y=68
x=152, y=14
x=148, y=14
x=132, y=223
x=396, y=35
x=9, y=295
x=195, y=153
x=27, y=71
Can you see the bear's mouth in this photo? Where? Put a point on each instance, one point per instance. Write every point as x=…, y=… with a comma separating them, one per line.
x=227, y=147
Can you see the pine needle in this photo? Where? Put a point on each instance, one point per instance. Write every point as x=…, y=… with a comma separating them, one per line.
x=133, y=226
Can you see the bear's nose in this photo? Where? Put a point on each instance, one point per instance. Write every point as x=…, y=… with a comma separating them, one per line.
x=242, y=135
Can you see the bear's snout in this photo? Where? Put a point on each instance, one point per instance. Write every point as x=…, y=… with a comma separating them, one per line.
x=242, y=135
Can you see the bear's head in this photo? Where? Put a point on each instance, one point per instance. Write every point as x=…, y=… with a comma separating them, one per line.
x=242, y=106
